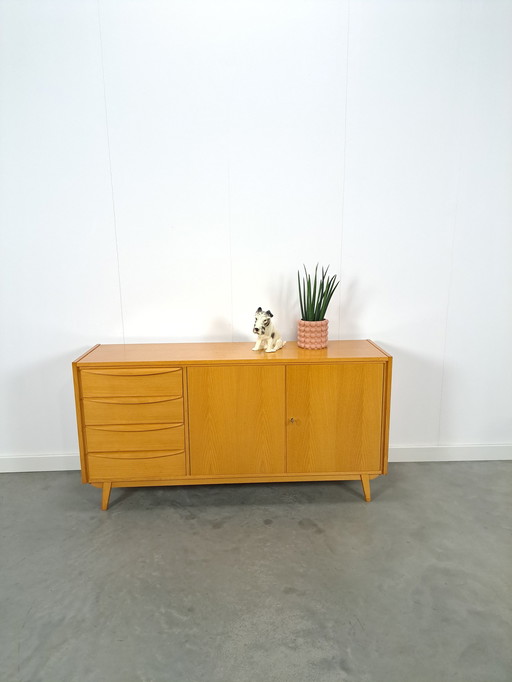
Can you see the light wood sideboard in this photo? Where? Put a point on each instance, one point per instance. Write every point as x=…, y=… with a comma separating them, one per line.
x=188, y=414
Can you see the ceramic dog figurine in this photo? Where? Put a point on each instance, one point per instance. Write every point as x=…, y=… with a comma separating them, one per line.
x=269, y=338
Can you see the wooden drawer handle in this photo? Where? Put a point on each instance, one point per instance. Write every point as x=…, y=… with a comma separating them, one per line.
x=128, y=428
x=132, y=400
x=130, y=372
x=136, y=455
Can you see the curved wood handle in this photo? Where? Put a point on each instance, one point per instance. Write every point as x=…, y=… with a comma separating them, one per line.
x=155, y=454
x=131, y=372
x=133, y=400
x=134, y=427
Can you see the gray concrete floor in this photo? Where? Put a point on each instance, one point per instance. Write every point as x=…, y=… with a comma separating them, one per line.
x=259, y=583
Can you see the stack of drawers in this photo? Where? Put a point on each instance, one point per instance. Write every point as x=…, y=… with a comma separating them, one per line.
x=133, y=423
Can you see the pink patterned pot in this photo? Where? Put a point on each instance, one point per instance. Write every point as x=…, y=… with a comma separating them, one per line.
x=312, y=335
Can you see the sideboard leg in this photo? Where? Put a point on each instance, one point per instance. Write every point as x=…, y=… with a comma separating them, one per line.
x=105, y=494
x=365, y=482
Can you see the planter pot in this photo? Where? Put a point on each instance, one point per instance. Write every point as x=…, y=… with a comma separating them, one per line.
x=312, y=335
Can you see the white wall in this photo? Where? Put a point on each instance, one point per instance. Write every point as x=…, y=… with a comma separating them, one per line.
x=165, y=167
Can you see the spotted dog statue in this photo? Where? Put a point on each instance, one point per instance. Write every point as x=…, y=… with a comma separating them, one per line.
x=269, y=338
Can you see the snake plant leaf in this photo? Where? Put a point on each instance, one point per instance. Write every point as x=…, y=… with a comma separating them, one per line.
x=300, y=295
x=316, y=292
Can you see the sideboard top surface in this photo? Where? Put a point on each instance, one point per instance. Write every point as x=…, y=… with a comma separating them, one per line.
x=230, y=353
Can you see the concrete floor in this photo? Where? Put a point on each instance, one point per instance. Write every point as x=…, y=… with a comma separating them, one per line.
x=259, y=583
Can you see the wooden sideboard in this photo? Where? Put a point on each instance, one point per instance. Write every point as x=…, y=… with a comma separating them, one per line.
x=182, y=414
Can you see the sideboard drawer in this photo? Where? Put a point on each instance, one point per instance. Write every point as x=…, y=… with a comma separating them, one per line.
x=135, y=465
x=132, y=410
x=123, y=438
x=97, y=383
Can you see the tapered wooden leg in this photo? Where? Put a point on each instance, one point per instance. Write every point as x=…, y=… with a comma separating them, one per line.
x=105, y=494
x=365, y=482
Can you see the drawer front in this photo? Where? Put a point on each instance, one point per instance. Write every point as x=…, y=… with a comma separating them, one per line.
x=132, y=410
x=135, y=465
x=126, y=438
x=163, y=381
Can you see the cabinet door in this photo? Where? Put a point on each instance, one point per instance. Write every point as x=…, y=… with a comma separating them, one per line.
x=236, y=420
x=334, y=417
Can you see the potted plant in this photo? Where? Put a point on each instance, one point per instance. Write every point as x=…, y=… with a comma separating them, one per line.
x=314, y=295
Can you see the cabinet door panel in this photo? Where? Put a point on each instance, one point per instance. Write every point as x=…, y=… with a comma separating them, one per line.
x=337, y=417
x=236, y=419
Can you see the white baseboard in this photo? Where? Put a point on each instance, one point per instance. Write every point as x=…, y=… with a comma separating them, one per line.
x=449, y=453
x=21, y=463
x=397, y=453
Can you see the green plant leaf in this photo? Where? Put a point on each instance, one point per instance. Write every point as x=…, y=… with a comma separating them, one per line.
x=315, y=293
x=314, y=296
x=300, y=295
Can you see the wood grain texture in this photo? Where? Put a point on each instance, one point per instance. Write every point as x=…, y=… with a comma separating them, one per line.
x=186, y=414
x=365, y=482
x=385, y=353
x=186, y=421
x=337, y=415
x=128, y=437
x=236, y=417
x=115, y=382
x=149, y=354
x=81, y=357
x=80, y=422
x=136, y=465
x=132, y=410
x=213, y=480
x=386, y=414
x=386, y=406
x=105, y=495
